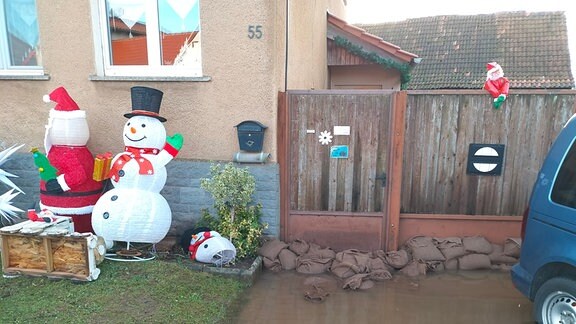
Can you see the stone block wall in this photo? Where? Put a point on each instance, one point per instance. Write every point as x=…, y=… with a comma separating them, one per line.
x=182, y=190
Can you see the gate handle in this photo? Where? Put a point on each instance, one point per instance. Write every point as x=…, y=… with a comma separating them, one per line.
x=383, y=178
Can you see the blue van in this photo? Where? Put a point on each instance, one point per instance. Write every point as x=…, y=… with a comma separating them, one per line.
x=546, y=271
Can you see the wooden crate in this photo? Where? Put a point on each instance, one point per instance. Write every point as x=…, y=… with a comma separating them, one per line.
x=63, y=256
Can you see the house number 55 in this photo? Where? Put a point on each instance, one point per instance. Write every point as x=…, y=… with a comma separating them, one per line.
x=254, y=31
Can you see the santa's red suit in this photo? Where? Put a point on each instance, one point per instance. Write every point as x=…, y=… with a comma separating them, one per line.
x=497, y=87
x=73, y=192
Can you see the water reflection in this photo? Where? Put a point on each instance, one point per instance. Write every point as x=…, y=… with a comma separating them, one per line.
x=450, y=297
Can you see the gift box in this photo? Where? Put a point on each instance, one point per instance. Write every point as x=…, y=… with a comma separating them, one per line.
x=102, y=164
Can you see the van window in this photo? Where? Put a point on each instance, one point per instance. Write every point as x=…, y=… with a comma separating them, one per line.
x=564, y=190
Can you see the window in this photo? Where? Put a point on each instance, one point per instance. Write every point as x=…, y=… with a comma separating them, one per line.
x=564, y=190
x=19, y=38
x=149, y=38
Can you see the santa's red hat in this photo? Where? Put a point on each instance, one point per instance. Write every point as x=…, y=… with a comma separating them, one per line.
x=65, y=107
x=492, y=66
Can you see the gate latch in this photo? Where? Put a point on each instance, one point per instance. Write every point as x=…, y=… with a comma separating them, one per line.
x=383, y=178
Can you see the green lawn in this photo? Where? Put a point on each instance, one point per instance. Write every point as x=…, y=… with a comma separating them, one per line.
x=155, y=291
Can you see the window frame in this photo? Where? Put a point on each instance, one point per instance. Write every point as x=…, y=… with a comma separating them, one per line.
x=562, y=182
x=6, y=68
x=154, y=69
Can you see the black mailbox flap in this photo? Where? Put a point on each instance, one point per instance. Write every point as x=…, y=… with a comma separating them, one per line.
x=250, y=126
x=251, y=135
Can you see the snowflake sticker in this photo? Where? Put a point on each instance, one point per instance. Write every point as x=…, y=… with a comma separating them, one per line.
x=325, y=138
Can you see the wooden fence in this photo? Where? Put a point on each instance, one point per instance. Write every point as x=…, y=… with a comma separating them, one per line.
x=441, y=125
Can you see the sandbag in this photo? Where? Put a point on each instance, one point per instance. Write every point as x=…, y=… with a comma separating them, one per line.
x=344, y=269
x=380, y=275
x=434, y=266
x=512, y=247
x=423, y=248
x=477, y=244
x=414, y=268
x=272, y=265
x=348, y=263
x=451, y=247
x=355, y=282
x=312, y=264
x=451, y=264
x=299, y=246
x=447, y=242
x=317, y=251
x=474, y=261
x=453, y=252
x=376, y=263
x=287, y=259
x=498, y=257
x=271, y=249
x=317, y=289
x=397, y=259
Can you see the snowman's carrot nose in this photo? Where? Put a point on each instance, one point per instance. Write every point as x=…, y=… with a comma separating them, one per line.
x=132, y=130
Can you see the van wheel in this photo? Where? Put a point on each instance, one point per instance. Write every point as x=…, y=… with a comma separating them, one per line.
x=555, y=302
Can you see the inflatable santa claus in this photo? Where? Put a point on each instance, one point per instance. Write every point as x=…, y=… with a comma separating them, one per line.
x=71, y=191
x=496, y=84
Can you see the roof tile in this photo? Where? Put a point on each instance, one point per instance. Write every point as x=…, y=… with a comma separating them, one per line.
x=532, y=48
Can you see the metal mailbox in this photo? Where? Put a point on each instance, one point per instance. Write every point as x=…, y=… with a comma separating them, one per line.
x=251, y=135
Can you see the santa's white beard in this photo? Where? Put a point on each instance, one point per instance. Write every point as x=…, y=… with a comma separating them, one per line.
x=494, y=75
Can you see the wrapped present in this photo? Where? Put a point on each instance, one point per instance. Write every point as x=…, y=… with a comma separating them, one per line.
x=102, y=164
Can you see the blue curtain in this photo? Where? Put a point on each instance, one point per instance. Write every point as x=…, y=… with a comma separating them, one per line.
x=22, y=20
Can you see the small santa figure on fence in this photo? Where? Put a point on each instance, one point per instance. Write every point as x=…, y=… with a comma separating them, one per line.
x=496, y=84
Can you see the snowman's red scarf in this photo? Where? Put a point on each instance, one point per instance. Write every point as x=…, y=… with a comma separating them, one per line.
x=135, y=153
x=193, y=248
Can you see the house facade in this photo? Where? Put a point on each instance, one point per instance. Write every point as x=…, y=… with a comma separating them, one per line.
x=232, y=59
x=219, y=64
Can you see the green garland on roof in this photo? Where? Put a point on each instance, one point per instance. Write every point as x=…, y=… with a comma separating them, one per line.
x=373, y=57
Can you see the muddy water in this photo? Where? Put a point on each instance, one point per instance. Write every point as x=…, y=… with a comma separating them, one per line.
x=457, y=297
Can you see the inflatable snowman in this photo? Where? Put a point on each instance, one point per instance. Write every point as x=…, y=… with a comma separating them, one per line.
x=134, y=210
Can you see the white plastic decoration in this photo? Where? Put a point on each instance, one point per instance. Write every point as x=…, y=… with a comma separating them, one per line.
x=8, y=212
x=131, y=215
x=325, y=138
x=211, y=247
x=134, y=210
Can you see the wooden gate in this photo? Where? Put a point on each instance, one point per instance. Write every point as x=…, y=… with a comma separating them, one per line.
x=340, y=154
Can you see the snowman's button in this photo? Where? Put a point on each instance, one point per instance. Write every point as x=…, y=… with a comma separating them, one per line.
x=106, y=215
x=113, y=198
x=121, y=173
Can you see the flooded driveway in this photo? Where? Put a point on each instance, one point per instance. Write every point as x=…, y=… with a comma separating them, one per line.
x=449, y=297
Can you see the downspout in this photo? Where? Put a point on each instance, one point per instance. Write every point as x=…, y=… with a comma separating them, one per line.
x=286, y=51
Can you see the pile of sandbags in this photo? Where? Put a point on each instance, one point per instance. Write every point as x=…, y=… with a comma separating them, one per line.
x=355, y=269
x=418, y=256
x=467, y=253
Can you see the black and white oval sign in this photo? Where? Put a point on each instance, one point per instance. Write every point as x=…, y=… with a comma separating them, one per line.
x=485, y=159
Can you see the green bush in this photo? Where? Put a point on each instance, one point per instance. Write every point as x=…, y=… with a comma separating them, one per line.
x=237, y=218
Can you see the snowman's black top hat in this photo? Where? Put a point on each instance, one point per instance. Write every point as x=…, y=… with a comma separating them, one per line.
x=146, y=102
